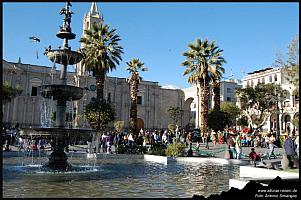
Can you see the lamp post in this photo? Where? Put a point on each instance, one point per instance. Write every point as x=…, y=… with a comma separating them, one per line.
x=278, y=132
x=277, y=123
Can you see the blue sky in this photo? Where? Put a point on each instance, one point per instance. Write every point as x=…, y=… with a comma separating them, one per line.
x=158, y=33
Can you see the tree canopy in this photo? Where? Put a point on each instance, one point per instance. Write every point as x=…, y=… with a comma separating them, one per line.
x=9, y=92
x=99, y=114
x=231, y=109
x=258, y=102
x=291, y=64
x=175, y=114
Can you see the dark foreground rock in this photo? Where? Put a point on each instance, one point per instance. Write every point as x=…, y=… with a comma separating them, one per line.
x=277, y=189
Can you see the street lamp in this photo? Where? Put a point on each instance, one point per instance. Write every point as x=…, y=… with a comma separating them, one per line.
x=278, y=132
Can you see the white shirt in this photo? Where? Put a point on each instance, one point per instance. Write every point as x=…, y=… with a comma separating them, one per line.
x=131, y=137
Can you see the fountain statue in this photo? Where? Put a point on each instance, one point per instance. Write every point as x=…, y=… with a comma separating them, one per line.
x=61, y=93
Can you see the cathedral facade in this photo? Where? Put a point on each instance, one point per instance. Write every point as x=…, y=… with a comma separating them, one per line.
x=31, y=110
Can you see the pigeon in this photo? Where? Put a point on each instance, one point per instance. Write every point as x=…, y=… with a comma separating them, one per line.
x=35, y=38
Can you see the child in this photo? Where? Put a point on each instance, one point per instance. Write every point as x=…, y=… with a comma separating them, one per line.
x=254, y=156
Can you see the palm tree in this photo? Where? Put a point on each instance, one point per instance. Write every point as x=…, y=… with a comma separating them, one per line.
x=203, y=59
x=101, y=53
x=134, y=66
x=216, y=87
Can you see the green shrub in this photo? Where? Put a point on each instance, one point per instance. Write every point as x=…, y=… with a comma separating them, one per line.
x=134, y=149
x=174, y=150
x=282, y=139
x=158, y=149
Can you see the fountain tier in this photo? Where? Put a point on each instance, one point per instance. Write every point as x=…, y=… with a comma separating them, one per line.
x=61, y=92
x=65, y=34
x=64, y=56
x=53, y=132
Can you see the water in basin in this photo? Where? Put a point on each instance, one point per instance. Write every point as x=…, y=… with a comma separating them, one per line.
x=121, y=176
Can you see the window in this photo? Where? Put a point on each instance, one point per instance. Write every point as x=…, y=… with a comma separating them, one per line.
x=33, y=87
x=263, y=80
x=34, y=91
x=139, y=100
x=248, y=83
x=194, y=105
x=252, y=83
x=258, y=80
x=270, y=79
x=228, y=90
x=275, y=77
x=228, y=98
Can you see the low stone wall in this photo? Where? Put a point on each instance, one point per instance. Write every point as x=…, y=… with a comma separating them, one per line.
x=166, y=160
x=158, y=159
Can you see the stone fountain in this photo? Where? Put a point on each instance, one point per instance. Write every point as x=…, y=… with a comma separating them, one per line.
x=61, y=93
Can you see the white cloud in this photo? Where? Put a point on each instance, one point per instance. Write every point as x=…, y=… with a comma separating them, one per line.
x=168, y=86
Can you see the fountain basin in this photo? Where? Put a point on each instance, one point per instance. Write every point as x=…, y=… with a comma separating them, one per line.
x=64, y=56
x=116, y=176
x=61, y=92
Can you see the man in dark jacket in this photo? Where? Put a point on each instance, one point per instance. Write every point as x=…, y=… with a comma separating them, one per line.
x=289, y=146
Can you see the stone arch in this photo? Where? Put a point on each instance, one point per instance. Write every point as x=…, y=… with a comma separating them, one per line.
x=296, y=114
x=188, y=102
x=273, y=121
x=286, y=122
x=191, y=113
x=286, y=100
x=296, y=121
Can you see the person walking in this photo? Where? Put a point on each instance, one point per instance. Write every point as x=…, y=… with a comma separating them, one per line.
x=231, y=146
x=207, y=139
x=238, y=146
x=290, y=149
x=297, y=144
x=213, y=137
x=220, y=137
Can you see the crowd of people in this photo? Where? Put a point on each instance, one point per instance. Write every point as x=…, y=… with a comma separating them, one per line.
x=10, y=138
x=234, y=140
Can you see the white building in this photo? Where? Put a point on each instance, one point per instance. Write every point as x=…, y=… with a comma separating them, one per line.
x=227, y=93
x=290, y=106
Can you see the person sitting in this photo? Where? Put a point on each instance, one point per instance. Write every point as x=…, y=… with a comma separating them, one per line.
x=271, y=148
x=254, y=156
x=190, y=152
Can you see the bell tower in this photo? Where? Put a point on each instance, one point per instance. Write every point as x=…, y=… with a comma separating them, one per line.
x=93, y=16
